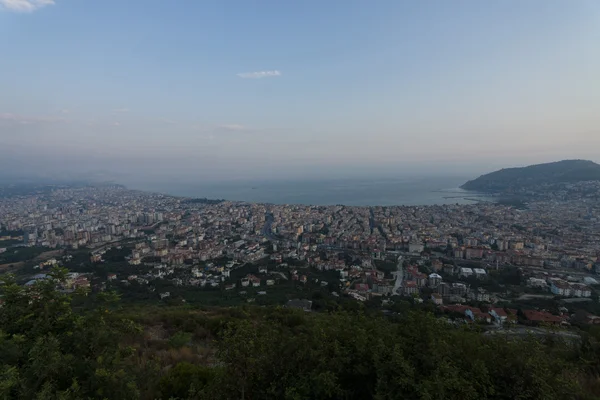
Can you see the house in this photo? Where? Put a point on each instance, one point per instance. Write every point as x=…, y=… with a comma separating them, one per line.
x=586, y=318
x=245, y=282
x=479, y=295
x=500, y=316
x=254, y=280
x=455, y=309
x=541, y=317
x=536, y=282
x=81, y=282
x=475, y=314
x=262, y=270
x=560, y=287
x=471, y=253
x=472, y=313
x=436, y=298
x=230, y=286
x=165, y=295
x=382, y=287
x=409, y=288
x=361, y=287
x=270, y=282
x=479, y=273
x=466, y=272
x=111, y=277
x=305, y=305
x=420, y=279
x=580, y=290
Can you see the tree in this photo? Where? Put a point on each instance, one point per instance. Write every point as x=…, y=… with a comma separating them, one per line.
x=53, y=351
x=185, y=380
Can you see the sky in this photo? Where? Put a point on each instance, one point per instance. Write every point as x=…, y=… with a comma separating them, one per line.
x=234, y=90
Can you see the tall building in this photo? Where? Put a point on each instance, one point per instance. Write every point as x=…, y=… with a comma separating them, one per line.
x=434, y=280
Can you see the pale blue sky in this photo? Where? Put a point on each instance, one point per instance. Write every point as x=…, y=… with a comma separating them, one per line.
x=274, y=89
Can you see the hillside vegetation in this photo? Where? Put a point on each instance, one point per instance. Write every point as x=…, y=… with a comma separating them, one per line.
x=567, y=171
x=55, y=345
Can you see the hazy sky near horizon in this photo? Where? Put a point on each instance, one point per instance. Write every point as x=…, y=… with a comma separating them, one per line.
x=267, y=89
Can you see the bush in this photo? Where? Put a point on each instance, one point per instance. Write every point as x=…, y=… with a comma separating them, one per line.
x=185, y=380
x=180, y=339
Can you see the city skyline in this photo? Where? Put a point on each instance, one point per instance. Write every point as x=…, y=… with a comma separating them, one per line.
x=229, y=91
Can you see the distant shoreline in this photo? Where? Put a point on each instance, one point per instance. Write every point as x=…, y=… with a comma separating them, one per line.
x=359, y=192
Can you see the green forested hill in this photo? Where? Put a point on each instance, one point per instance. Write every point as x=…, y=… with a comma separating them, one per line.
x=72, y=346
x=517, y=178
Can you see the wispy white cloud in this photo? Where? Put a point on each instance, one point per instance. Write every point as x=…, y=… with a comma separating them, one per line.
x=24, y=119
x=232, y=127
x=24, y=5
x=121, y=110
x=259, y=74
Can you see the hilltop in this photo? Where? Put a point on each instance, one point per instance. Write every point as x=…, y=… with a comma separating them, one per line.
x=511, y=179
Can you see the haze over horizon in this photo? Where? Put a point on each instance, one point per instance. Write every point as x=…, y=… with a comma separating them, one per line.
x=231, y=90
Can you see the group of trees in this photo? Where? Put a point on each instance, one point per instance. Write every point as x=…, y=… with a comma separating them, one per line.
x=49, y=350
x=56, y=345
x=21, y=254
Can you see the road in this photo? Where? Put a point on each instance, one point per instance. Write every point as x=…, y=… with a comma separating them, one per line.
x=266, y=229
x=537, y=331
x=399, y=275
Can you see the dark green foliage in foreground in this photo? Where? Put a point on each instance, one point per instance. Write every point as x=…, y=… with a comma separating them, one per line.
x=47, y=350
x=52, y=347
x=358, y=357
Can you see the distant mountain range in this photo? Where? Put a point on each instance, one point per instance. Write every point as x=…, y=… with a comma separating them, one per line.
x=514, y=179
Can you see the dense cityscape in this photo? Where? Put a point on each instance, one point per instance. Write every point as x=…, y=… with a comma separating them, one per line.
x=473, y=262
x=299, y=200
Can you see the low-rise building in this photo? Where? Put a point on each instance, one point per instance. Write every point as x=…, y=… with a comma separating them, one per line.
x=536, y=282
x=466, y=272
x=409, y=288
x=580, y=290
x=560, y=287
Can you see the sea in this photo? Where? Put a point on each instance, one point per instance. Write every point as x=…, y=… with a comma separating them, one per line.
x=351, y=192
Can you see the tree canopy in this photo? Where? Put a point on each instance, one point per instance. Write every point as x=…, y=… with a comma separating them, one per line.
x=60, y=345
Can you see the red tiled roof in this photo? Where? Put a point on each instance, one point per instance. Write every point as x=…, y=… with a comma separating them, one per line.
x=541, y=316
x=500, y=312
x=459, y=308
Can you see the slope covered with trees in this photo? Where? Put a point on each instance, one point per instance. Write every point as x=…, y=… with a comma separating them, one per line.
x=567, y=171
x=55, y=345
